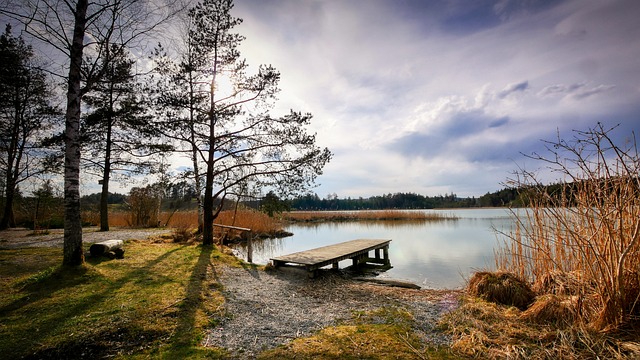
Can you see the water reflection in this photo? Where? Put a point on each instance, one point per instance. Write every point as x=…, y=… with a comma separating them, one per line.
x=432, y=254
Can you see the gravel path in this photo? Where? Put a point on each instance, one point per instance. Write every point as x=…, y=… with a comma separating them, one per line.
x=20, y=238
x=267, y=309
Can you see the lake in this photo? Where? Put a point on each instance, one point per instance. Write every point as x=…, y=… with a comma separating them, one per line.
x=432, y=254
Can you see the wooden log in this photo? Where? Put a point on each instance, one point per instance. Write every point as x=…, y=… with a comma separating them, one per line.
x=389, y=282
x=104, y=247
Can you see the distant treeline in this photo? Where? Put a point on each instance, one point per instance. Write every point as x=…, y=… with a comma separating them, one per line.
x=505, y=197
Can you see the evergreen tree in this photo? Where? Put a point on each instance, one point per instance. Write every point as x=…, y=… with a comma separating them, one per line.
x=234, y=135
x=117, y=132
x=25, y=114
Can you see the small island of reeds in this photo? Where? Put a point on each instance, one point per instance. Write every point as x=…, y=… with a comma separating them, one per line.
x=365, y=215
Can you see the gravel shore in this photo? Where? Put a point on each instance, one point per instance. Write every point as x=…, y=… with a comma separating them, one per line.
x=270, y=308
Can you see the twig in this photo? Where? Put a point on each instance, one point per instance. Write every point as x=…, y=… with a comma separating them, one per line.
x=411, y=347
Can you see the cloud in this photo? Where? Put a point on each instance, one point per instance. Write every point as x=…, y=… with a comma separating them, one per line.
x=513, y=88
x=445, y=95
x=577, y=91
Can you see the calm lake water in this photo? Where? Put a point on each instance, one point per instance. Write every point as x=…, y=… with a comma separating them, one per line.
x=434, y=254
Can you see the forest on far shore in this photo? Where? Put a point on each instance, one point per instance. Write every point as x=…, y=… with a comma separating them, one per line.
x=182, y=200
x=504, y=197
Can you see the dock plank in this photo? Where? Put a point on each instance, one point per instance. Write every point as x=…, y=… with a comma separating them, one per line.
x=330, y=254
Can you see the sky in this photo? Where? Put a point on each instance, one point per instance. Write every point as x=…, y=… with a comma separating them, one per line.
x=439, y=97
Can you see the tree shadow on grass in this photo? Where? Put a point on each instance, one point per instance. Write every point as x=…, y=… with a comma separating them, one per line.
x=188, y=334
x=60, y=279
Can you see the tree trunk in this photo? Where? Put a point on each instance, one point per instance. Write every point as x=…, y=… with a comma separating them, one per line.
x=7, y=214
x=104, y=196
x=194, y=147
x=72, y=252
x=13, y=164
x=207, y=226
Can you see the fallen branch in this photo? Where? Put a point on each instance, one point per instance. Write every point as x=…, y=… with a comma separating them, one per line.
x=389, y=282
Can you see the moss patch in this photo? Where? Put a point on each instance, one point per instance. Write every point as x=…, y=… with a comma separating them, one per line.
x=385, y=333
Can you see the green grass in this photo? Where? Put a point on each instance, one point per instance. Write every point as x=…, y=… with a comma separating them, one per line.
x=154, y=303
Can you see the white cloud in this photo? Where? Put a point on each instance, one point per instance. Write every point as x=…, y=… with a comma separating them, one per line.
x=431, y=97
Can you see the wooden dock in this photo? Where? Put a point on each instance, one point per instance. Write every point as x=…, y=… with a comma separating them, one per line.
x=356, y=250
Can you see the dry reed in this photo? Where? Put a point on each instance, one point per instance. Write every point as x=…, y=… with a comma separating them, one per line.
x=312, y=216
x=254, y=220
x=585, y=238
x=258, y=222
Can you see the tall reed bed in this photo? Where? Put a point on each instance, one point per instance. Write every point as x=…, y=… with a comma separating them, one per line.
x=308, y=216
x=582, y=241
x=258, y=222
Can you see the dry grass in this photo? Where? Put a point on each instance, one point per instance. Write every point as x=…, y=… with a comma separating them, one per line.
x=502, y=288
x=552, y=309
x=259, y=223
x=385, y=333
x=308, y=216
x=486, y=330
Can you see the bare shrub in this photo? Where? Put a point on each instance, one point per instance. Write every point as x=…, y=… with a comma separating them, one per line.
x=182, y=234
x=587, y=225
x=144, y=206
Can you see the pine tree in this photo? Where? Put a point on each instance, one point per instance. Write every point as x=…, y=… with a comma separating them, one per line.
x=25, y=113
x=234, y=135
x=118, y=136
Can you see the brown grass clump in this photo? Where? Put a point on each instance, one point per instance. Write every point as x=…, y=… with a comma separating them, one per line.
x=501, y=288
x=484, y=330
x=183, y=234
x=561, y=283
x=561, y=311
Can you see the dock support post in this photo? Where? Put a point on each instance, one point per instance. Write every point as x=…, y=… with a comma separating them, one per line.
x=250, y=248
x=386, y=255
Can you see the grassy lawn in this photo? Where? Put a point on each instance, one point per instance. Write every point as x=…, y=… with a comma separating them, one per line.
x=154, y=303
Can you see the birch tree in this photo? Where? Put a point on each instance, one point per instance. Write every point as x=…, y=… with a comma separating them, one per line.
x=75, y=29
